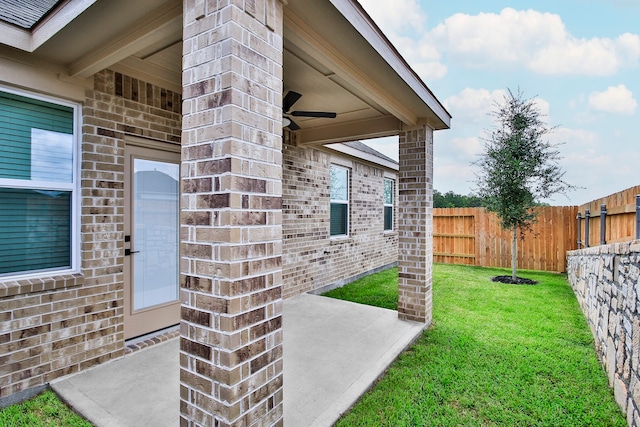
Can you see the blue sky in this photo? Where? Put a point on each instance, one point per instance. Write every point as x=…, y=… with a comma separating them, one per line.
x=579, y=58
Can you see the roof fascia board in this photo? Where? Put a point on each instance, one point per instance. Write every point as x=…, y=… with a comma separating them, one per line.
x=350, y=151
x=372, y=33
x=350, y=131
x=29, y=41
x=57, y=20
x=310, y=41
x=15, y=37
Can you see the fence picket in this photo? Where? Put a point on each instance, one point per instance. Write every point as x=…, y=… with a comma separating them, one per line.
x=474, y=236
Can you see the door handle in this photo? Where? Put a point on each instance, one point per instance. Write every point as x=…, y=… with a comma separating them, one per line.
x=129, y=252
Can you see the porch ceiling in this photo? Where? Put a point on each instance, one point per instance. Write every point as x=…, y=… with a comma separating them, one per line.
x=334, y=55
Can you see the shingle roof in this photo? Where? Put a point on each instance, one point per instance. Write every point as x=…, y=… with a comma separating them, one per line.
x=25, y=13
x=366, y=149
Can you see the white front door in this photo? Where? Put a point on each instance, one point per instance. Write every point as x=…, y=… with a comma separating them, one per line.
x=151, y=239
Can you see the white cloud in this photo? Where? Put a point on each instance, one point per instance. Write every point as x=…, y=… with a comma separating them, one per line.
x=473, y=104
x=476, y=105
x=467, y=148
x=398, y=16
x=404, y=23
x=449, y=176
x=616, y=99
x=531, y=39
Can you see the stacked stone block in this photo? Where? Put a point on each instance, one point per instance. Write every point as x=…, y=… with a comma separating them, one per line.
x=54, y=325
x=231, y=220
x=312, y=260
x=606, y=282
x=415, y=224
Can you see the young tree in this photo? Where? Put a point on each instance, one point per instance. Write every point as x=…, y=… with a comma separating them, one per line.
x=519, y=166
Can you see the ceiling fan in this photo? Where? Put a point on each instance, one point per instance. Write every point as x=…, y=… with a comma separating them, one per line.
x=291, y=98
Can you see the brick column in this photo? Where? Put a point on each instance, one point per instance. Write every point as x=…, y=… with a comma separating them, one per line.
x=415, y=224
x=231, y=221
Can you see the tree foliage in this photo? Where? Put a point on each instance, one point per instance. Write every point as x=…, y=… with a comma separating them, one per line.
x=453, y=200
x=520, y=166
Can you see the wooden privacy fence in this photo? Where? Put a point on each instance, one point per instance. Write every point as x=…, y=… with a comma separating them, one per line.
x=473, y=236
x=610, y=219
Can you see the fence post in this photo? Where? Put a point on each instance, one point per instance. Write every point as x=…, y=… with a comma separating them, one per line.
x=579, y=218
x=587, y=216
x=603, y=225
x=637, y=216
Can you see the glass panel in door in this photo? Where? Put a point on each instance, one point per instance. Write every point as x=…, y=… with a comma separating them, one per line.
x=155, y=233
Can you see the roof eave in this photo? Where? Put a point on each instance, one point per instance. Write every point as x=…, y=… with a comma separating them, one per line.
x=368, y=29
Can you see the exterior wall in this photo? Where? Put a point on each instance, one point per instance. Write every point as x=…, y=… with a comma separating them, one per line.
x=415, y=225
x=311, y=258
x=55, y=326
x=51, y=326
x=605, y=280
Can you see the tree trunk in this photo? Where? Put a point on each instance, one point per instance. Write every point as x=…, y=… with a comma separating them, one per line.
x=514, y=253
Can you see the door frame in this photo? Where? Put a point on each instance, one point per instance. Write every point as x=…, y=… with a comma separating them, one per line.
x=148, y=319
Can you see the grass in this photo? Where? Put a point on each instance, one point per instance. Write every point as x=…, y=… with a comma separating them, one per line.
x=44, y=410
x=495, y=355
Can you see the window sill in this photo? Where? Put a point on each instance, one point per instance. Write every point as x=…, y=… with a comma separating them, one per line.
x=339, y=239
x=10, y=288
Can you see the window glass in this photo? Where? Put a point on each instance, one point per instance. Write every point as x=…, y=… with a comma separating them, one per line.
x=339, y=183
x=35, y=232
x=36, y=139
x=388, y=203
x=339, y=189
x=37, y=183
x=51, y=156
x=388, y=191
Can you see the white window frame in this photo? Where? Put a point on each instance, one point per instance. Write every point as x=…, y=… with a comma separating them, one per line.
x=73, y=187
x=387, y=205
x=343, y=202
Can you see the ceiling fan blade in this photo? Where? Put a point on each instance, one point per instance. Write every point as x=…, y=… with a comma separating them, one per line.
x=324, y=114
x=289, y=99
x=293, y=125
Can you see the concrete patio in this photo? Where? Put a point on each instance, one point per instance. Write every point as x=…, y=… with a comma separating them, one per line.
x=333, y=352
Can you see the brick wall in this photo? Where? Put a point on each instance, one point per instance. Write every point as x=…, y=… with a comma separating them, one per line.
x=311, y=259
x=55, y=326
x=51, y=326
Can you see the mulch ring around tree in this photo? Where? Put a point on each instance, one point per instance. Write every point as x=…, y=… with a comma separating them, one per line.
x=518, y=281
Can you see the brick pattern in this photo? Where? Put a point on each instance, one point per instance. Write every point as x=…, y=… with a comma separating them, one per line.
x=415, y=225
x=231, y=234
x=605, y=280
x=311, y=258
x=151, y=341
x=127, y=106
x=51, y=326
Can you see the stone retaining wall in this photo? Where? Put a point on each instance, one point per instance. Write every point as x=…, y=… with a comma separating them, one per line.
x=605, y=282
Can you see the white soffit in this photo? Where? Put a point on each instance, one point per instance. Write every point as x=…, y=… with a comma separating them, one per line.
x=57, y=19
x=363, y=23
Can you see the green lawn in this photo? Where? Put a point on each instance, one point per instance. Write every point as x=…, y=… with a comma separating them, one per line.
x=495, y=355
x=44, y=410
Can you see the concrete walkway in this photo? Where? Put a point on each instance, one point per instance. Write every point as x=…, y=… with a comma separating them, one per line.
x=333, y=352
